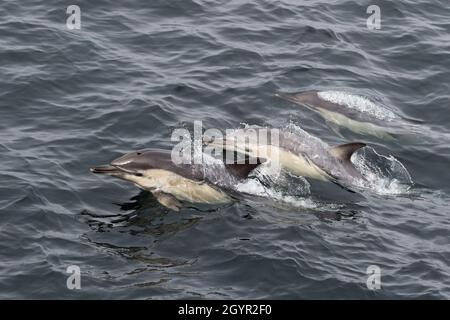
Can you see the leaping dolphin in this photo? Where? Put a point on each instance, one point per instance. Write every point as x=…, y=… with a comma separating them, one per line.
x=170, y=183
x=354, y=112
x=302, y=155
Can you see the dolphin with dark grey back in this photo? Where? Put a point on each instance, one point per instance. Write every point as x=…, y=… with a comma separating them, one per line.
x=341, y=109
x=305, y=156
x=171, y=183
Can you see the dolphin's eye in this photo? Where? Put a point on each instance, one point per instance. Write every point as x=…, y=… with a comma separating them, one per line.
x=139, y=153
x=138, y=174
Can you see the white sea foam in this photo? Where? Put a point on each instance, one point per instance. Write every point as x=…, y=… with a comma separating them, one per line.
x=359, y=103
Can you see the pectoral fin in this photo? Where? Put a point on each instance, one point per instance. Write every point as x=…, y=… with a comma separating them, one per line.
x=167, y=200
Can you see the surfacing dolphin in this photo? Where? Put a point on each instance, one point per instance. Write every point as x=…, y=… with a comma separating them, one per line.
x=298, y=153
x=170, y=183
x=354, y=112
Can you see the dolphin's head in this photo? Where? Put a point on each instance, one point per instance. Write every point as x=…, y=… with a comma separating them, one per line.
x=133, y=163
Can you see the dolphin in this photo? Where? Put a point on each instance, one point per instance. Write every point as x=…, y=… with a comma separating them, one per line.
x=356, y=113
x=154, y=171
x=298, y=153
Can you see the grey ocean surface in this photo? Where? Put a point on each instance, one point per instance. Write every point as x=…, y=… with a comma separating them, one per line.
x=137, y=70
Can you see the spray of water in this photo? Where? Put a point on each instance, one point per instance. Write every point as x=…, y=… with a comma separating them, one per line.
x=384, y=174
x=359, y=103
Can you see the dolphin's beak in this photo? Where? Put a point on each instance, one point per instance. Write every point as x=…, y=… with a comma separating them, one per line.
x=113, y=170
x=107, y=169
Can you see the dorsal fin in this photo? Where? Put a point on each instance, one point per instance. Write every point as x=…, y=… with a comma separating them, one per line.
x=345, y=151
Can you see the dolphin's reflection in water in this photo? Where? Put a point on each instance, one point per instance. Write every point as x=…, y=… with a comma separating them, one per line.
x=145, y=216
x=137, y=231
x=148, y=238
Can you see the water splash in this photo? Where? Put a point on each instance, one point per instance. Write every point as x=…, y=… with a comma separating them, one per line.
x=258, y=188
x=282, y=188
x=359, y=103
x=384, y=174
x=304, y=137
